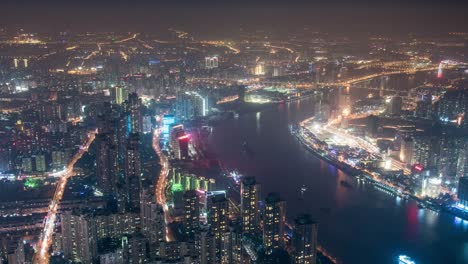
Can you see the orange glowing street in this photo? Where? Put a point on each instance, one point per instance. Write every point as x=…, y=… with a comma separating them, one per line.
x=42, y=249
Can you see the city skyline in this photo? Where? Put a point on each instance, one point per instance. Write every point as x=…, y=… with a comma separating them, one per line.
x=229, y=133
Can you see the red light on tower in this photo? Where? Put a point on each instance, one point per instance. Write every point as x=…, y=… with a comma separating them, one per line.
x=187, y=136
x=418, y=167
x=439, y=72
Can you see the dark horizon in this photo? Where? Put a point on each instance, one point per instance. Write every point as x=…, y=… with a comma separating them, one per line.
x=222, y=20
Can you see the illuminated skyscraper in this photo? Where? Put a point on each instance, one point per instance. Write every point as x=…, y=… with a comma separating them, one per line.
x=344, y=99
x=79, y=238
x=274, y=222
x=118, y=93
x=422, y=148
x=133, y=107
x=304, y=240
x=218, y=215
x=178, y=136
x=232, y=245
x=183, y=152
x=250, y=198
x=190, y=105
x=406, y=150
x=395, y=105
x=372, y=126
x=153, y=224
x=191, y=213
x=106, y=164
x=463, y=192
x=259, y=68
x=133, y=171
x=205, y=246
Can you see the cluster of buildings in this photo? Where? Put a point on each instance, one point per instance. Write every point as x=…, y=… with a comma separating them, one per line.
x=202, y=223
x=55, y=88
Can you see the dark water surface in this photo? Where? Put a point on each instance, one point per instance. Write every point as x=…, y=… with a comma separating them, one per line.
x=357, y=225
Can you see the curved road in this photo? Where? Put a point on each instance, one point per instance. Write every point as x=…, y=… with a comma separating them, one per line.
x=162, y=180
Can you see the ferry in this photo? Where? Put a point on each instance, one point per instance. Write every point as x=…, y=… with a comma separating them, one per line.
x=303, y=189
x=403, y=259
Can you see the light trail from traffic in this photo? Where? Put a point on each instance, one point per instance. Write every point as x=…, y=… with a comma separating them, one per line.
x=127, y=39
x=162, y=180
x=45, y=241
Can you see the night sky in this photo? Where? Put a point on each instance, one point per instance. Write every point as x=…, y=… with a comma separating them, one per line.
x=222, y=18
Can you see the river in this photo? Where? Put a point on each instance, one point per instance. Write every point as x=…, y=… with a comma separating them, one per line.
x=359, y=224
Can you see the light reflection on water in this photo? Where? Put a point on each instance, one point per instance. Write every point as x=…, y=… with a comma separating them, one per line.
x=358, y=217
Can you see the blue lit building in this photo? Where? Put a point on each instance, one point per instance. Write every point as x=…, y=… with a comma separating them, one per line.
x=463, y=192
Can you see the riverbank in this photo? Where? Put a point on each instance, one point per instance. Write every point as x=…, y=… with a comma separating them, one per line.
x=232, y=185
x=382, y=185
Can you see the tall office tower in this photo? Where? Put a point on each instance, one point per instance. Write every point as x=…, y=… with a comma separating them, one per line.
x=304, y=240
x=406, y=150
x=133, y=171
x=177, y=132
x=344, y=99
x=422, y=148
x=79, y=238
x=122, y=134
x=106, y=164
x=104, y=118
x=383, y=85
x=232, y=245
x=118, y=94
x=250, y=198
x=183, y=150
x=133, y=107
x=274, y=222
x=5, y=158
x=190, y=105
x=259, y=68
x=184, y=107
x=462, y=163
x=205, y=246
x=191, y=213
x=218, y=216
x=395, y=105
x=147, y=124
x=447, y=157
x=463, y=193
x=372, y=126
x=153, y=224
